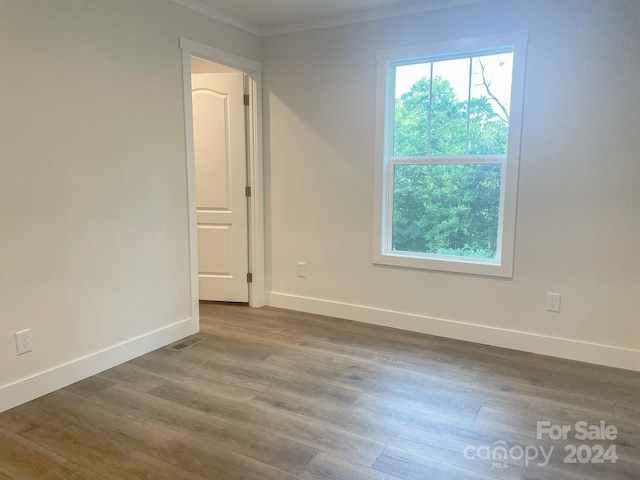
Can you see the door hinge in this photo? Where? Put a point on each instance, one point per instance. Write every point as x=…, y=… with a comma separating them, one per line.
x=246, y=99
x=249, y=277
x=247, y=191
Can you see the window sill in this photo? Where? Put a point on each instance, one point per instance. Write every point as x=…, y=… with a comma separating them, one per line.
x=491, y=268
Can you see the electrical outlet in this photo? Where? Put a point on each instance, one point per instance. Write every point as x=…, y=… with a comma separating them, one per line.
x=23, y=341
x=553, y=302
x=302, y=269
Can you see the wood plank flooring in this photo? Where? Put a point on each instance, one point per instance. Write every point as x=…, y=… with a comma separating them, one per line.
x=280, y=395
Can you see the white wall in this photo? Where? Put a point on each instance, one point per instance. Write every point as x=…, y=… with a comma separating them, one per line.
x=93, y=203
x=579, y=204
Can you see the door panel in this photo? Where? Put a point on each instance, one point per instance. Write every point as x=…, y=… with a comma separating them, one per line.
x=220, y=164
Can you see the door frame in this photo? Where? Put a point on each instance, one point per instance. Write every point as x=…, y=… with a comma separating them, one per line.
x=255, y=174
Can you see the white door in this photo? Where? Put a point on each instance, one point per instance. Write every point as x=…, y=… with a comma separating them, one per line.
x=221, y=173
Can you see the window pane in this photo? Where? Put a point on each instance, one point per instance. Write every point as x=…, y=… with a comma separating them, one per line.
x=450, y=93
x=447, y=209
x=411, y=126
x=490, y=102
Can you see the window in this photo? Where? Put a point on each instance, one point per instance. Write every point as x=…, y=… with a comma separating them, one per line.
x=448, y=144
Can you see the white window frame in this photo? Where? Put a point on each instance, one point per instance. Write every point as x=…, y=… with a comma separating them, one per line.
x=502, y=265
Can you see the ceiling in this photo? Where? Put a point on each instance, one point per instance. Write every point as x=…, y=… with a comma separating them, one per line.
x=200, y=65
x=268, y=17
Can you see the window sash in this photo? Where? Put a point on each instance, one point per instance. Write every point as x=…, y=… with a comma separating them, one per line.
x=456, y=160
x=453, y=160
x=393, y=65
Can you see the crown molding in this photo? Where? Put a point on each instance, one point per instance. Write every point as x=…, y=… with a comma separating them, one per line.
x=380, y=13
x=219, y=15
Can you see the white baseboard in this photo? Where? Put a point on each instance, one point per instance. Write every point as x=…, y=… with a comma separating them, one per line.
x=30, y=388
x=570, y=349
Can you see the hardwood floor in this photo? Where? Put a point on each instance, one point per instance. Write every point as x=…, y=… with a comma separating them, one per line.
x=279, y=395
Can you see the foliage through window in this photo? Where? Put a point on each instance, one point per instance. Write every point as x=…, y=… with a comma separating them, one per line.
x=447, y=151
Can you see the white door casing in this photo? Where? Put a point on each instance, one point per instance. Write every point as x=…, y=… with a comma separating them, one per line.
x=253, y=70
x=221, y=177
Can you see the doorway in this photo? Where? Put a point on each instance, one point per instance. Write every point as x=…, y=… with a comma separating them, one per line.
x=225, y=189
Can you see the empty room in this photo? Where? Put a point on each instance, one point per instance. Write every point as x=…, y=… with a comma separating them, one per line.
x=319, y=240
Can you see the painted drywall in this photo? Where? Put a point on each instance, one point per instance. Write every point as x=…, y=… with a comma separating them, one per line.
x=578, y=204
x=94, y=252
